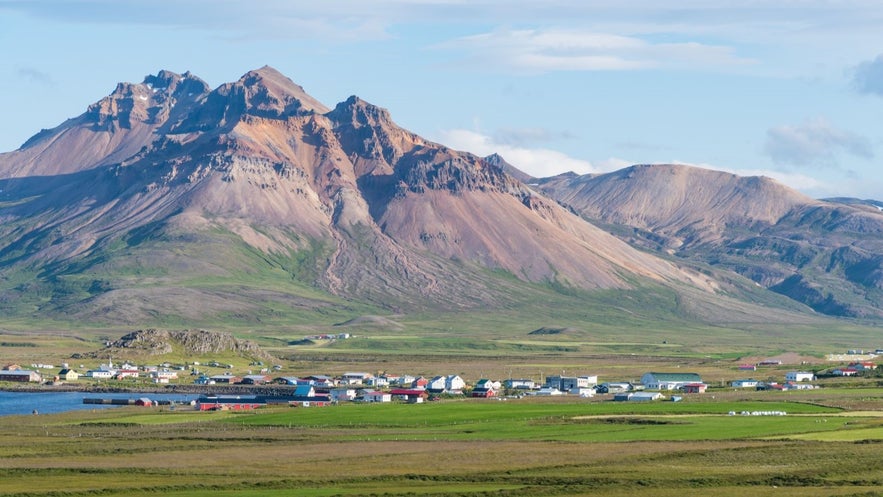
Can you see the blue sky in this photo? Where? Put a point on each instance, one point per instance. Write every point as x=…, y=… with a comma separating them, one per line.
x=788, y=89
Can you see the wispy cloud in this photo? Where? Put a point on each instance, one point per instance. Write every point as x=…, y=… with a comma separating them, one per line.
x=526, y=136
x=35, y=75
x=867, y=77
x=814, y=143
x=538, y=162
x=547, y=50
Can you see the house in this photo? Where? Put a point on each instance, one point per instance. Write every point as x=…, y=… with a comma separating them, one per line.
x=20, y=375
x=519, y=384
x=454, y=384
x=410, y=395
x=144, y=402
x=845, y=372
x=355, y=378
x=769, y=386
x=418, y=382
x=68, y=374
x=615, y=387
x=571, y=383
x=694, y=388
x=286, y=380
x=375, y=396
x=377, y=381
x=342, y=394
x=747, y=367
x=436, y=384
x=392, y=379
x=305, y=390
x=126, y=373
x=668, y=381
x=226, y=378
x=791, y=385
x=100, y=374
x=485, y=388
x=485, y=383
x=483, y=393
x=863, y=366
x=11, y=367
x=749, y=383
x=255, y=379
x=799, y=376
x=164, y=375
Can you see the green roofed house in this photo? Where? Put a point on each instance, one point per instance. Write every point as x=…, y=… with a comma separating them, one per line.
x=668, y=381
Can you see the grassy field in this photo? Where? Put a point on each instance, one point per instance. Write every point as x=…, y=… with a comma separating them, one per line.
x=515, y=447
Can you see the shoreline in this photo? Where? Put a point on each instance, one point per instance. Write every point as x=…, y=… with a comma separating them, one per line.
x=279, y=390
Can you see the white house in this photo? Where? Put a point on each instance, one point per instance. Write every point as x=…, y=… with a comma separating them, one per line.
x=668, y=381
x=100, y=374
x=355, y=378
x=520, y=383
x=799, y=376
x=437, y=384
x=378, y=381
x=377, y=397
x=343, y=394
x=454, y=384
x=571, y=383
x=749, y=383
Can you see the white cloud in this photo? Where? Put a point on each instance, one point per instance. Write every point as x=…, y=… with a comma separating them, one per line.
x=868, y=76
x=546, y=50
x=814, y=143
x=538, y=162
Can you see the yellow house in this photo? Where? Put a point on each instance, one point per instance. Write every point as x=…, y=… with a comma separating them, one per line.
x=68, y=375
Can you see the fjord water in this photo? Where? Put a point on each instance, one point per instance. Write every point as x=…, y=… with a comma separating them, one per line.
x=12, y=403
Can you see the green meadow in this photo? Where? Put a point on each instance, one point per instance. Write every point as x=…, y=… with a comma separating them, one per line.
x=528, y=446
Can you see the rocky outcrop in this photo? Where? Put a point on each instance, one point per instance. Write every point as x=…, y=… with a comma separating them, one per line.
x=191, y=342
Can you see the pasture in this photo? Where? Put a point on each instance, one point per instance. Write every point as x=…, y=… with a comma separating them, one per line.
x=528, y=446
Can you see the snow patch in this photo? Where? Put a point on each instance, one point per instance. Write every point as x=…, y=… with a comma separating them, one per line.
x=142, y=97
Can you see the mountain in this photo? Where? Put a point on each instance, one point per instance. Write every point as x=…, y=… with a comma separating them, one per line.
x=825, y=254
x=168, y=202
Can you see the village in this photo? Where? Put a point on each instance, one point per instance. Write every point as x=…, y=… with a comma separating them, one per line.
x=269, y=386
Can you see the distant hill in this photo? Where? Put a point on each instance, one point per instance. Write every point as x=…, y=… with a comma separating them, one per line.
x=825, y=254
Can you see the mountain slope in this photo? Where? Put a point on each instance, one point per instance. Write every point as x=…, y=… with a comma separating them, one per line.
x=254, y=200
x=825, y=255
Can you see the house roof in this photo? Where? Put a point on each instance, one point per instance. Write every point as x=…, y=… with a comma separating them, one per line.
x=678, y=377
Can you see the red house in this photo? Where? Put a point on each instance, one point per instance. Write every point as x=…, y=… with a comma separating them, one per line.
x=694, y=388
x=409, y=394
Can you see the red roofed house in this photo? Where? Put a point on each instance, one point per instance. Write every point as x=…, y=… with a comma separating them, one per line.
x=694, y=388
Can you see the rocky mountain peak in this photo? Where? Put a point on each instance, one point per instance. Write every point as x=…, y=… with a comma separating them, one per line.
x=269, y=93
x=358, y=112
